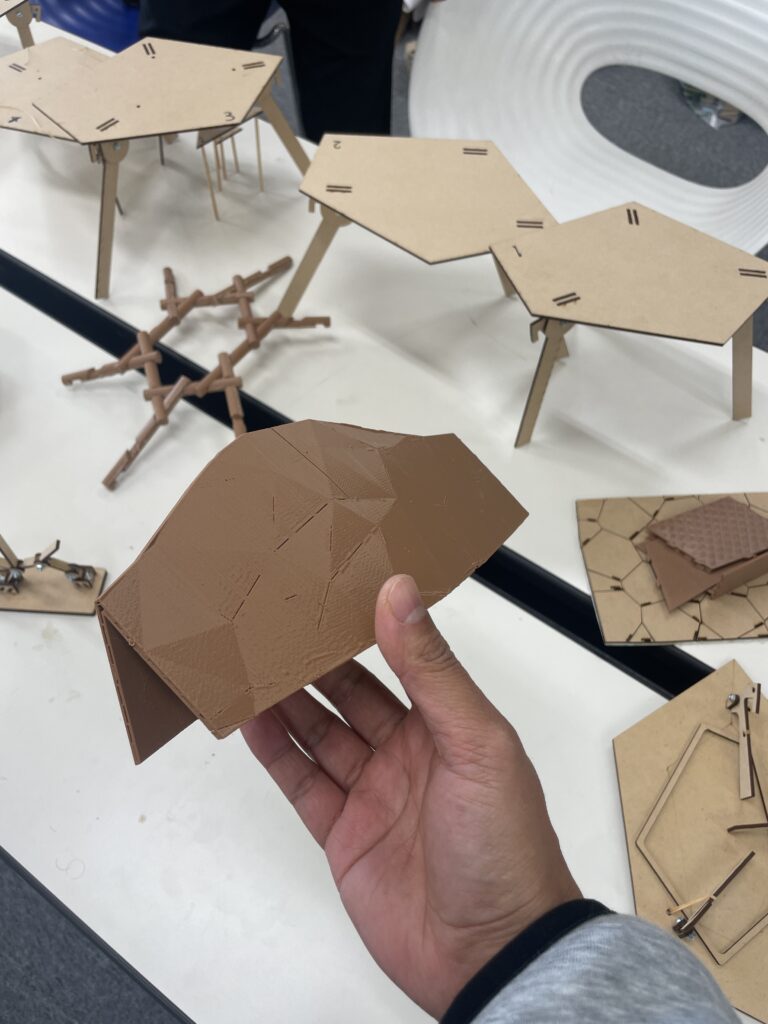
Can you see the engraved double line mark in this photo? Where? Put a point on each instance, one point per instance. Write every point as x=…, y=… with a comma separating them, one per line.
x=752, y=272
x=632, y=215
x=345, y=189
x=564, y=300
x=530, y=223
x=106, y=125
x=149, y=50
x=474, y=151
x=17, y=67
x=253, y=64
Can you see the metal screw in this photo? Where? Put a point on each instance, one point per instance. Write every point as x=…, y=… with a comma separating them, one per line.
x=732, y=700
x=680, y=921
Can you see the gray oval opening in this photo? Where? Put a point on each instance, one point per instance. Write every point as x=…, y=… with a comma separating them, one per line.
x=645, y=114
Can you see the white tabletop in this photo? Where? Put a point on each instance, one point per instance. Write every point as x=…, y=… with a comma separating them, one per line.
x=412, y=347
x=192, y=866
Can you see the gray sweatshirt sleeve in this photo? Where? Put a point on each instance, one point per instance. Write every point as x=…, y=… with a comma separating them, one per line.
x=610, y=969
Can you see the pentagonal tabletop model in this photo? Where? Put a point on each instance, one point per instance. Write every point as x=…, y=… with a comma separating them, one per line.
x=265, y=574
x=440, y=199
x=160, y=87
x=26, y=75
x=633, y=269
x=692, y=777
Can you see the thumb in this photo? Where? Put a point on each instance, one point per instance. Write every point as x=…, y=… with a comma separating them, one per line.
x=452, y=706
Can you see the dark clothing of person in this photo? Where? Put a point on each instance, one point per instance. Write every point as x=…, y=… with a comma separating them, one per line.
x=342, y=51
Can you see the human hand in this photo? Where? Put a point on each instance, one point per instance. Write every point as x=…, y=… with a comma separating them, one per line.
x=432, y=818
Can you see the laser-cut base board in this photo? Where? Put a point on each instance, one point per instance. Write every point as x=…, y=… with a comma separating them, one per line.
x=50, y=591
x=628, y=602
x=688, y=842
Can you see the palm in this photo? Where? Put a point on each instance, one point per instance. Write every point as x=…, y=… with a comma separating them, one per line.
x=379, y=852
x=432, y=818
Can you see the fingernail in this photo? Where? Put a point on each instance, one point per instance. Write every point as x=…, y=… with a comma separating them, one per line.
x=405, y=601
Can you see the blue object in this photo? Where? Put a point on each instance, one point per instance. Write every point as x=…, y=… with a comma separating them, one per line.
x=109, y=23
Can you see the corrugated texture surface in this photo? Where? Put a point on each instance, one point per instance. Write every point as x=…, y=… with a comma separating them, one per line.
x=513, y=71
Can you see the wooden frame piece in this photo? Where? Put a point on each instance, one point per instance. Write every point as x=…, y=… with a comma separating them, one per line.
x=697, y=851
x=165, y=397
x=722, y=956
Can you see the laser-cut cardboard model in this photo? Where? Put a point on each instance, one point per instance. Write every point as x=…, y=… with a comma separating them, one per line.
x=676, y=569
x=439, y=199
x=21, y=13
x=265, y=574
x=692, y=778
x=157, y=87
x=144, y=355
x=67, y=588
x=632, y=269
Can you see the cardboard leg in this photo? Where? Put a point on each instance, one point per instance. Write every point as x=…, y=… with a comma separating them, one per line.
x=274, y=115
x=742, y=371
x=258, y=154
x=209, y=179
x=111, y=155
x=547, y=359
x=22, y=18
x=506, y=284
x=217, y=158
x=329, y=225
x=235, y=161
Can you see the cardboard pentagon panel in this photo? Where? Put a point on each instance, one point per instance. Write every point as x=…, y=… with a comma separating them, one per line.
x=439, y=199
x=678, y=772
x=265, y=574
x=158, y=87
x=633, y=269
x=6, y=6
x=27, y=75
x=630, y=606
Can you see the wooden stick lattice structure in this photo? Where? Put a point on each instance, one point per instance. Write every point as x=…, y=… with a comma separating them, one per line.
x=222, y=378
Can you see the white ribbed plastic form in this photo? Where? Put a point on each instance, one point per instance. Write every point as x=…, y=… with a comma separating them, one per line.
x=513, y=71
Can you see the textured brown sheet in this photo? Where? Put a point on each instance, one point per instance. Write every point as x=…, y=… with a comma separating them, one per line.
x=265, y=574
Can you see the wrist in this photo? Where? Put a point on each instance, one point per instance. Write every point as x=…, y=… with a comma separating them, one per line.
x=515, y=955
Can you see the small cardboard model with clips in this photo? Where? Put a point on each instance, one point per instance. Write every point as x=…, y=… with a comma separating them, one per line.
x=158, y=87
x=632, y=269
x=692, y=778
x=265, y=574
x=668, y=569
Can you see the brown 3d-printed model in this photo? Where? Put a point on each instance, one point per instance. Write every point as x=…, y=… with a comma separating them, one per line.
x=156, y=87
x=265, y=574
x=696, y=839
x=21, y=14
x=69, y=589
x=632, y=269
x=165, y=397
x=439, y=199
x=619, y=548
